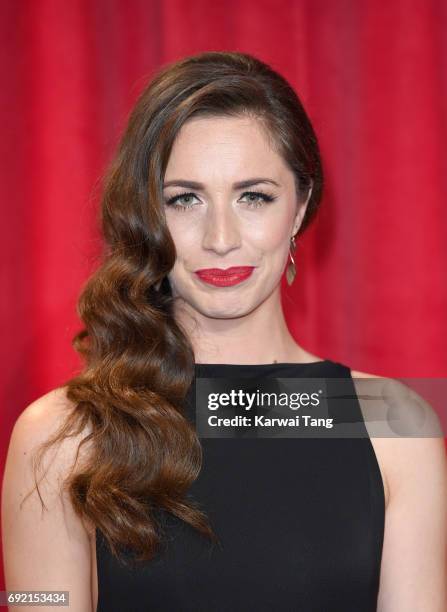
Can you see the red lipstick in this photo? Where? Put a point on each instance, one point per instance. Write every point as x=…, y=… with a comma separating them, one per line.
x=225, y=278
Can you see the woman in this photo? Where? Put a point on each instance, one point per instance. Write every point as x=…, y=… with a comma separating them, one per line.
x=216, y=175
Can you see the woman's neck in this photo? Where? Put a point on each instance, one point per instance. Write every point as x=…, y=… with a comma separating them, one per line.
x=261, y=336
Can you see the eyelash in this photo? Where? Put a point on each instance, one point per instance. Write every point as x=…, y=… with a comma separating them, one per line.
x=265, y=197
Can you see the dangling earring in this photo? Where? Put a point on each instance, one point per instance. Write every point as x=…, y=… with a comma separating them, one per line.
x=291, y=268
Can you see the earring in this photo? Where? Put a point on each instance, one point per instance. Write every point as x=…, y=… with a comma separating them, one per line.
x=291, y=267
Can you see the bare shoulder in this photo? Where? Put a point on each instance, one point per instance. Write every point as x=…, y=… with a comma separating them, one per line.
x=358, y=374
x=43, y=416
x=42, y=518
x=394, y=409
x=409, y=442
x=39, y=422
x=404, y=428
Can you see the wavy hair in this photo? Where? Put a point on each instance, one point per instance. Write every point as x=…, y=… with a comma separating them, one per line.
x=138, y=363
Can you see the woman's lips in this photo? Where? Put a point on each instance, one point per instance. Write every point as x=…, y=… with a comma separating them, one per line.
x=225, y=278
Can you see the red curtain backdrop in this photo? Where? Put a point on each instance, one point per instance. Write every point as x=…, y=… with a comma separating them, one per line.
x=371, y=287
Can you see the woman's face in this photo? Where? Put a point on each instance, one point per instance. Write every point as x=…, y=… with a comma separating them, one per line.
x=217, y=224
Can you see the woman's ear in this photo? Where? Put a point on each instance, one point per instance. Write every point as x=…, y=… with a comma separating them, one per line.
x=302, y=210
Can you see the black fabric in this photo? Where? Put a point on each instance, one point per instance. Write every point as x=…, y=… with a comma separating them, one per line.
x=300, y=523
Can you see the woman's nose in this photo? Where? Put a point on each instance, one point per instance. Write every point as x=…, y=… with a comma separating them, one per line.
x=221, y=229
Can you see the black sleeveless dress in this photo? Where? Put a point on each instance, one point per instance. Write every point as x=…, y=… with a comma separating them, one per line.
x=300, y=523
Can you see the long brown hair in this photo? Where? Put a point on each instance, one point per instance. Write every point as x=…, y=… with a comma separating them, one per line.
x=138, y=363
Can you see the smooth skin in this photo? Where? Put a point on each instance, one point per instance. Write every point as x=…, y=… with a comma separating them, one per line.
x=221, y=226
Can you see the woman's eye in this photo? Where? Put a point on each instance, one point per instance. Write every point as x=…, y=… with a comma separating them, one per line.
x=257, y=198
x=181, y=197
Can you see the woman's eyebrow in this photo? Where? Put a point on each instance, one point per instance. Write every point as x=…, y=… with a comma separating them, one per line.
x=238, y=185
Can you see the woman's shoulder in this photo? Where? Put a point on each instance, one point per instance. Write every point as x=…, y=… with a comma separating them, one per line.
x=39, y=423
x=404, y=429
x=397, y=408
x=47, y=410
x=42, y=419
x=37, y=510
